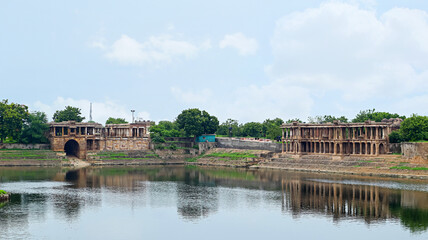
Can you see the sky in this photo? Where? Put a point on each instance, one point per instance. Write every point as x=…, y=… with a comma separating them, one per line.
x=244, y=60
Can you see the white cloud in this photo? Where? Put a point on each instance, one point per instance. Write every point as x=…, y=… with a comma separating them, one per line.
x=191, y=97
x=350, y=54
x=155, y=50
x=244, y=45
x=101, y=111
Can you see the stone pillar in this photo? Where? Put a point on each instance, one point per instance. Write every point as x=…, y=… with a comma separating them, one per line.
x=377, y=133
x=366, y=149
x=353, y=148
x=361, y=148
x=62, y=131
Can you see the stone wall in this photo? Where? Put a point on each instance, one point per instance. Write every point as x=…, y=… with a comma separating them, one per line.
x=123, y=144
x=415, y=150
x=395, y=147
x=24, y=146
x=252, y=145
x=205, y=146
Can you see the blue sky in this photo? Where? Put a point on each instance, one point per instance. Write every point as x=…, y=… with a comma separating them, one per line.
x=245, y=60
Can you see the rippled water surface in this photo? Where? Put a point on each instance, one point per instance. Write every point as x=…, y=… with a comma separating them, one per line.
x=207, y=203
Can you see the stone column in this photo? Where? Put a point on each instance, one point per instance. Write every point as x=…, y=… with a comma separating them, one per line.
x=353, y=148
x=377, y=133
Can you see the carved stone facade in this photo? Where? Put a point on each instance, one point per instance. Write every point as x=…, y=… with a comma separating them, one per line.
x=369, y=138
x=78, y=139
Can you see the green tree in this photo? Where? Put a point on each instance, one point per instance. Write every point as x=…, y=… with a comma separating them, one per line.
x=372, y=115
x=414, y=128
x=68, y=114
x=252, y=129
x=293, y=120
x=165, y=129
x=395, y=137
x=271, y=128
x=111, y=120
x=230, y=125
x=35, y=128
x=326, y=119
x=196, y=122
x=12, y=117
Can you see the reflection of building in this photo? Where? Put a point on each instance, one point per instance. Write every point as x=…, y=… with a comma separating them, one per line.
x=77, y=139
x=340, y=200
x=369, y=138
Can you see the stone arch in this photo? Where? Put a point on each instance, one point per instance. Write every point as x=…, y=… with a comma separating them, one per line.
x=382, y=149
x=71, y=148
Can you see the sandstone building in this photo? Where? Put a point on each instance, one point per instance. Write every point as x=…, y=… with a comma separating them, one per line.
x=77, y=139
x=368, y=138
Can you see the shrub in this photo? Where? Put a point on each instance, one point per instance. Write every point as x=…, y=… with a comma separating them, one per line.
x=173, y=147
x=395, y=137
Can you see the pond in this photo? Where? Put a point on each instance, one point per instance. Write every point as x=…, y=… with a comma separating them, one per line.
x=155, y=202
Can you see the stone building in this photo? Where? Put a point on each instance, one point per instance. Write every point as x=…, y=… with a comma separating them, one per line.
x=368, y=138
x=77, y=139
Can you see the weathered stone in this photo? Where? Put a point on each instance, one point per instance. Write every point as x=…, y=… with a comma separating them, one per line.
x=78, y=139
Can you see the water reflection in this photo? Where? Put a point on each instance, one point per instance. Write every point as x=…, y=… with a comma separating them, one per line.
x=198, y=193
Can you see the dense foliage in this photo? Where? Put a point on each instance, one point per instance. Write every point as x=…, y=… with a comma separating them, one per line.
x=35, y=128
x=68, y=114
x=111, y=120
x=163, y=129
x=12, y=117
x=372, y=115
x=326, y=119
x=414, y=128
x=195, y=122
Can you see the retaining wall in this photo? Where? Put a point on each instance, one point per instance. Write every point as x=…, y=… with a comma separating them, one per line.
x=395, y=147
x=252, y=145
x=415, y=150
x=24, y=146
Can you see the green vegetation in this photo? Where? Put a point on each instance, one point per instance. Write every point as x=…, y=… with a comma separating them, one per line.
x=231, y=156
x=410, y=168
x=413, y=129
x=68, y=114
x=111, y=120
x=2, y=192
x=195, y=122
x=326, y=119
x=10, y=155
x=375, y=116
x=35, y=128
x=12, y=117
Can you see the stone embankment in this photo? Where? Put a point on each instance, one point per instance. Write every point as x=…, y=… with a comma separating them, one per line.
x=382, y=165
x=230, y=157
x=23, y=157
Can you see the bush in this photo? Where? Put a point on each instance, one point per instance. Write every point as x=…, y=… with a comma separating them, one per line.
x=414, y=128
x=173, y=147
x=2, y=192
x=157, y=138
x=395, y=137
x=159, y=147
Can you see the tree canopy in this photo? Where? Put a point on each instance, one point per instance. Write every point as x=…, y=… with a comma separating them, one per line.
x=111, y=120
x=68, y=114
x=35, y=128
x=372, y=115
x=326, y=119
x=12, y=117
x=196, y=122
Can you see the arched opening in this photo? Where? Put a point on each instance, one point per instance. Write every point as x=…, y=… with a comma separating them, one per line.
x=71, y=148
x=382, y=149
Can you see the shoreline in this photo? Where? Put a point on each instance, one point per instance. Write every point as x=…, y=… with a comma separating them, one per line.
x=389, y=166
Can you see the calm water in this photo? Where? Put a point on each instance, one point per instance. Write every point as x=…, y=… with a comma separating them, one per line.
x=207, y=203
